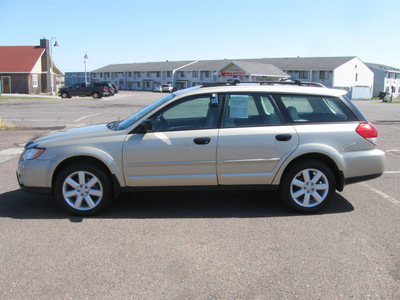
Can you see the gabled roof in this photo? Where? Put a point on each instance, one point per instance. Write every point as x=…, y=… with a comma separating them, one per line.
x=19, y=59
x=143, y=67
x=383, y=67
x=260, y=69
x=306, y=63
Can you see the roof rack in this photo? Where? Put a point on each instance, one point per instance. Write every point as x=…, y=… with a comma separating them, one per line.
x=283, y=82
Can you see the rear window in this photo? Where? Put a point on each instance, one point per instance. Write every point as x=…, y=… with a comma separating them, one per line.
x=316, y=109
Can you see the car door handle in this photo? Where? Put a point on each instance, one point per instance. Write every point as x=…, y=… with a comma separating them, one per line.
x=283, y=137
x=202, y=141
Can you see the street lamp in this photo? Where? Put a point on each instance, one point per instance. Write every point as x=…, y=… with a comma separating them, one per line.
x=85, y=58
x=51, y=58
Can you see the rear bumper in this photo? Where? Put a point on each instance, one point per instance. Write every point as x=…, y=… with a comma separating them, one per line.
x=363, y=165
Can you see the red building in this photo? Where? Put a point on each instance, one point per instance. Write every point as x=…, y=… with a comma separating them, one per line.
x=27, y=69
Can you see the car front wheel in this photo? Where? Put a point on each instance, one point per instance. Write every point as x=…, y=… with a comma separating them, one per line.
x=64, y=95
x=308, y=186
x=83, y=189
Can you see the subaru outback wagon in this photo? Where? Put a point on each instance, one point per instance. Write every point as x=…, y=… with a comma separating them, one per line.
x=301, y=140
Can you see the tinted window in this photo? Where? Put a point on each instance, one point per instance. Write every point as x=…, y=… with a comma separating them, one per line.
x=244, y=110
x=316, y=109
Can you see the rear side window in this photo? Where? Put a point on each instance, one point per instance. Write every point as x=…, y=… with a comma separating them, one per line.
x=250, y=110
x=316, y=109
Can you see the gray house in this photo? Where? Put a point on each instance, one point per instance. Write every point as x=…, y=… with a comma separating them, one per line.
x=348, y=73
x=386, y=79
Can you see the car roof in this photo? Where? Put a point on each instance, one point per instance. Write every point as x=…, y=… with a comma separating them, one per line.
x=280, y=89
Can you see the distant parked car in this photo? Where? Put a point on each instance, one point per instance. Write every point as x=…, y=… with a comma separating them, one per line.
x=82, y=89
x=115, y=88
x=167, y=88
x=158, y=89
x=107, y=88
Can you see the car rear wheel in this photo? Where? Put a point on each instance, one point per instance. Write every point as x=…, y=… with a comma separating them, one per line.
x=308, y=186
x=83, y=189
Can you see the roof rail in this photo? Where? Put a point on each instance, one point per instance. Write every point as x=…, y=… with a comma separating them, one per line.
x=283, y=82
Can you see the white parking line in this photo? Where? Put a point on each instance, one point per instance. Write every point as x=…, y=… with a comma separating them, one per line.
x=382, y=194
x=10, y=153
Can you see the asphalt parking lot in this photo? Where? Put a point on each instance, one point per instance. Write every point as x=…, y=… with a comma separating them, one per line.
x=184, y=245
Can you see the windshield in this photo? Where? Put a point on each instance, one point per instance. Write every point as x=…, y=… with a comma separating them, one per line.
x=141, y=113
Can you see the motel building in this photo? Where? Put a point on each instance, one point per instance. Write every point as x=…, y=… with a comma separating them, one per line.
x=348, y=73
x=184, y=74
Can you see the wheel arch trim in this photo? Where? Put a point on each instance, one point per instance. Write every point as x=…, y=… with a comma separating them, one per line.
x=324, y=154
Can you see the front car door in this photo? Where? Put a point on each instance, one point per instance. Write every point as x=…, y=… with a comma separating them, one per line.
x=253, y=140
x=181, y=150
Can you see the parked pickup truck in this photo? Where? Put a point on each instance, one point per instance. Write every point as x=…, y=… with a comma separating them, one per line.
x=96, y=90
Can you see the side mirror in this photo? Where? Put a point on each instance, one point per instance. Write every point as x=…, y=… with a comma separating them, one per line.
x=147, y=125
x=143, y=127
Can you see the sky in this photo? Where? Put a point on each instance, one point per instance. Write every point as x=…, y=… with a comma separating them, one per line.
x=127, y=31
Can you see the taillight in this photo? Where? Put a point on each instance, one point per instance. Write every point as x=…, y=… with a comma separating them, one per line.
x=368, y=132
x=104, y=89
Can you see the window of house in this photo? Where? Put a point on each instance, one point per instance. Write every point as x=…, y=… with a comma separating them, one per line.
x=35, y=82
x=324, y=75
x=356, y=76
x=303, y=74
x=169, y=73
x=195, y=73
x=158, y=74
x=148, y=74
x=182, y=74
x=130, y=74
x=208, y=74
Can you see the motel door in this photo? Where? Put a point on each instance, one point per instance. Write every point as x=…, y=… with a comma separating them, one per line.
x=6, y=83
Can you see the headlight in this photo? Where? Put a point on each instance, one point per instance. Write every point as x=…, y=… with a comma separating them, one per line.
x=32, y=153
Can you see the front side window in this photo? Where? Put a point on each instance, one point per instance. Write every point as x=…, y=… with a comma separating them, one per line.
x=188, y=114
x=244, y=110
x=315, y=109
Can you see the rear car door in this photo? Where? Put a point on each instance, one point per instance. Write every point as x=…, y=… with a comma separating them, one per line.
x=253, y=140
x=181, y=150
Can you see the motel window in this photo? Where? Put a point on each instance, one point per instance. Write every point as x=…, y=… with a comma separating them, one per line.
x=208, y=74
x=148, y=74
x=195, y=73
x=169, y=73
x=130, y=74
x=303, y=74
x=323, y=75
x=158, y=74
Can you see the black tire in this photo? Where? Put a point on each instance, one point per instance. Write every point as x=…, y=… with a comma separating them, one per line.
x=96, y=95
x=83, y=189
x=64, y=95
x=308, y=186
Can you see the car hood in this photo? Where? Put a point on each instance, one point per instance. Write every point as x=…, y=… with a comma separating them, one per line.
x=81, y=134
